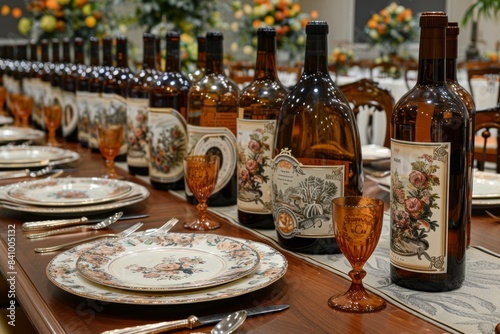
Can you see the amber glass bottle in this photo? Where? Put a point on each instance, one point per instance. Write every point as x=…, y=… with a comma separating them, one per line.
x=95, y=102
x=212, y=109
x=166, y=122
x=115, y=88
x=429, y=143
x=137, y=109
x=317, y=153
x=258, y=107
x=452, y=32
x=82, y=92
x=201, y=60
x=69, y=122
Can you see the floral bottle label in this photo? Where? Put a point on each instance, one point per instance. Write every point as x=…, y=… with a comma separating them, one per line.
x=70, y=113
x=217, y=141
x=137, y=129
x=95, y=108
x=419, y=206
x=255, y=142
x=168, y=144
x=302, y=197
x=83, y=116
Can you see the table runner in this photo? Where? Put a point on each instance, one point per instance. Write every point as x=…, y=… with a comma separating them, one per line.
x=474, y=308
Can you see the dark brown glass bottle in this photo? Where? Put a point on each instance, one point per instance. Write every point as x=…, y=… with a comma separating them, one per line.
x=54, y=96
x=115, y=89
x=429, y=143
x=258, y=108
x=31, y=78
x=452, y=31
x=317, y=153
x=69, y=124
x=137, y=109
x=44, y=84
x=82, y=92
x=212, y=109
x=201, y=60
x=94, y=97
x=167, y=121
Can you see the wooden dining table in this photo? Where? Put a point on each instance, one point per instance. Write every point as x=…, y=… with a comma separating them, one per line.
x=306, y=287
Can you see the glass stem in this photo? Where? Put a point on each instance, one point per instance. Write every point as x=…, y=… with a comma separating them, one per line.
x=110, y=166
x=202, y=211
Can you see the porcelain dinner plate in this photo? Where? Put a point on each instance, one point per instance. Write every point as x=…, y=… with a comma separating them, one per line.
x=11, y=133
x=374, y=153
x=30, y=154
x=138, y=194
x=6, y=120
x=172, y=262
x=68, y=191
x=63, y=273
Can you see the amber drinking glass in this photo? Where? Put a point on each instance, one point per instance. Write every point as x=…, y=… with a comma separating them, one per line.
x=24, y=106
x=110, y=137
x=52, y=116
x=358, y=224
x=13, y=97
x=201, y=172
x=3, y=97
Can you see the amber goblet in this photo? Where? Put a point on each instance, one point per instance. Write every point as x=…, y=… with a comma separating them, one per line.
x=3, y=97
x=52, y=116
x=24, y=106
x=110, y=137
x=201, y=172
x=358, y=223
x=14, y=108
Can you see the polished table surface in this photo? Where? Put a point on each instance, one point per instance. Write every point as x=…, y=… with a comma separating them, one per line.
x=305, y=287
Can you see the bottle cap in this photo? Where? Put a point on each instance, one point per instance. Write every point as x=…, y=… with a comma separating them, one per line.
x=266, y=31
x=215, y=36
x=433, y=20
x=172, y=35
x=452, y=28
x=317, y=28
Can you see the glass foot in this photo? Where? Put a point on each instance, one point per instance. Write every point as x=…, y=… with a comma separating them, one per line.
x=357, y=301
x=198, y=225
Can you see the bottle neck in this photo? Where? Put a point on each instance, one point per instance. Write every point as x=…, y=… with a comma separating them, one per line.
x=55, y=53
x=66, y=53
x=149, y=56
x=79, y=59
x=33, y=53
x=121, y=56
x=432, y=61
x=265, y=65
x=94, y=54
x=202, y=54
x=215, y=62
x=316, y=56
x=451, y=69
x=107, y=54
x=173, y=60
x=45, y=53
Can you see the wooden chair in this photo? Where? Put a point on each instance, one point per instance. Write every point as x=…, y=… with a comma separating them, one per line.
x=491, y=74
x=373, y=107
x=486, y=146
x=383, y=69
x=410, y=73
x=289, y=74
x=241, y=72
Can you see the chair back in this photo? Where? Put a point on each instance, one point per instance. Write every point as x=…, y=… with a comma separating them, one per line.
x=289, y=74
x=241, y=72
x=383, y=69
x=486, y=142
x=373, y=107
x=484, y=85
x=410, y=73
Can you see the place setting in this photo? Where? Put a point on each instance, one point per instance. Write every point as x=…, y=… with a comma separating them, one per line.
x=71, y=195
x=166, y=268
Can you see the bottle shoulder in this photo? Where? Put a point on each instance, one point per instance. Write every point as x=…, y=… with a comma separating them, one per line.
x=216, y=83
x=436, y=96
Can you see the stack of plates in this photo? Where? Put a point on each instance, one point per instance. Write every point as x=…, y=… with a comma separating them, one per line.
x=71, y=195
x=11, y=134
x=12, y=157
x=171, y=268
x=485, y=188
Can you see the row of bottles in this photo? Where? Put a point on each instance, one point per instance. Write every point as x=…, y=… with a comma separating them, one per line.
x=285, y=154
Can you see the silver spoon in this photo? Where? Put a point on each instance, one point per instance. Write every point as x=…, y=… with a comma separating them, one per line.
x=231, y=323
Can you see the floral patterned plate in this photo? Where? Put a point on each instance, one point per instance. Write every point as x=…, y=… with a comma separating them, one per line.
x=30, y=154
x=68, y=191
x=171, y=262
x=63, y=273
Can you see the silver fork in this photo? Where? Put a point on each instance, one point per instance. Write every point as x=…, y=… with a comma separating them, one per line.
x=162, y=229
x=105, y=223
x=122, y=234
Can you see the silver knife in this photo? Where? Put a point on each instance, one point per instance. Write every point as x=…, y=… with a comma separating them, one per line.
x=58, y=223
x=193, y=321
